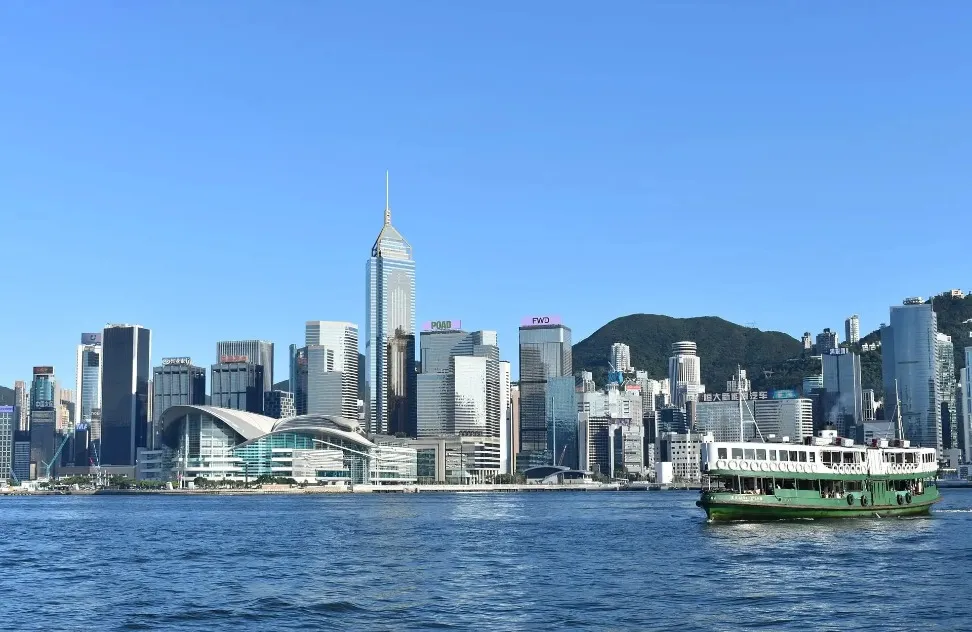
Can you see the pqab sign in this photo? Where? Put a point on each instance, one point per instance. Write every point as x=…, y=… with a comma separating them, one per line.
x=442, y=325
x=540, y=321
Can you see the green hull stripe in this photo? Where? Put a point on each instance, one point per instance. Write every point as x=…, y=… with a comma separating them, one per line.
x=781, y=511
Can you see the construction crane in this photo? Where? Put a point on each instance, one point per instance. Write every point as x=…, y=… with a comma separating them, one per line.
x=614, y=375
x=560, y=461
x=50, y=464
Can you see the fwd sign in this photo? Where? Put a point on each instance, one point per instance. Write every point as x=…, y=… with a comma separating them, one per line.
x=540, y=320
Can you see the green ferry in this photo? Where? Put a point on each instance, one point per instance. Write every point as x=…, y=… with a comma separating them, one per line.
x=824, y=477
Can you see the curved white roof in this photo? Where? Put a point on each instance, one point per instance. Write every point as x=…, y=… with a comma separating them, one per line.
x=247, y=425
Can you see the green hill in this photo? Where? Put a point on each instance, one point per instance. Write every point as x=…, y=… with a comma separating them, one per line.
x=722, y=345
x=6, y=396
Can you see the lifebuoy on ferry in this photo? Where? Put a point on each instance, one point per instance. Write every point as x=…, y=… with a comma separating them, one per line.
x=721, y=464
x=790, y=467
x=733, y=465
x=764, y=466
x=863, y=501
x=908, y=497
x=900, y=499
x=850, y=499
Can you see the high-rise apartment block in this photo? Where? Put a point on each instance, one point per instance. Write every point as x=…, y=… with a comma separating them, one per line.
x=8, y=423
x=258, y=352
x=390, y=282
x=852, y=329
x=332, y=384
x=826, y=340
x=22, y=405
x=807, y=341
x=125, y=373
x=945, y=377
x=909, y=361
x=621, y=356
x=545, y=354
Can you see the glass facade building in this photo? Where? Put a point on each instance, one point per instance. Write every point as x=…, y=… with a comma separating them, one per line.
x=177, y=382
x=8, y=423
x=341, y=338
x=947, y=388
x=561, y=411
x=87, y=411
x=545, y=353
x=402, y=386
x=238, y=386
x=844, y=397
x=125, y=373
x=255, y=352
x=390, y=286
x=909, y=360
x=43, y=420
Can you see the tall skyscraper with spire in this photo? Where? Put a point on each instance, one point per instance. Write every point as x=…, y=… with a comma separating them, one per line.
x=391, y=312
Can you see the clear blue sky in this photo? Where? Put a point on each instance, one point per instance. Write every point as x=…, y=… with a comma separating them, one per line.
x=215, y=170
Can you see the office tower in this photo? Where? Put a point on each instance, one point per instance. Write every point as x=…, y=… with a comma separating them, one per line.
x=252, y=351
x=852, y=329
x=514, y=424
x=812, y=382
x=22, y=404
x=945, y=378
x=545, y=353
x=279, y=405
x=65, y=409
x=43, y=421
x=237, y=385
x=176, y=382
x=125, y=372
x=826, y=341
x=807, y=341
x=621, y=357
x=298, y=378
x=789, y=417
x=401, y=401
x=8, y=423
x=651, y=393
x=21, y=455
x=965, y=435
x=684, y=373
x=390, y=283
x=340, y=394
x=505, y=417
x=868, y=405
x=909, y=359
x=844, y=398
x=459, y=390
x=87, y=412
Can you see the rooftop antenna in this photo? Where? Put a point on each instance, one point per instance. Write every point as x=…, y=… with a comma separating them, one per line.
x=387, y=205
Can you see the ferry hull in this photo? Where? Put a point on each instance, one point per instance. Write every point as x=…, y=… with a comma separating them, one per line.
x=718, y=510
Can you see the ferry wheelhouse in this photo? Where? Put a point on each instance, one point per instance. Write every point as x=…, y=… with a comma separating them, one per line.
x=824, y=477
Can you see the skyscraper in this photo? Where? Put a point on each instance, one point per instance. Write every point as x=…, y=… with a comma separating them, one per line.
x=965, y=434
x=506, y=418
x=279, y=404
x=252, y=351
x=237, y=384
x=87, y=411
x=545, y=353
x=843, y=403
x=684, y=373
x=402, y=397
x=340, y=387
x=909, y=357
x=852, y=329
x=8, y=424
x=826, y=340
x=176, y=382
x=43, y=421
x=22, y=404
x=298, y=378
x=945, y=377
x=125, y=373
x=621, y=356
x=390, y=282
x=807, y=341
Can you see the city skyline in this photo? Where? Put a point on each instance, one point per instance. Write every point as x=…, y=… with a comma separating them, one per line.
x=702, y=152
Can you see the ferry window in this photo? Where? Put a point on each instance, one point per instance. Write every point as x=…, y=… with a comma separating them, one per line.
x=772, y=455
x=783, y=455
x=803, y=456
x=750, y=454
x=760, y=455
x=722, y=453
x=825, y=458
x=899, y=457
x=848, y=457
x=852, y=486
x=793, y=455
x=813, y=456
x=909, y=457
x=737, y=453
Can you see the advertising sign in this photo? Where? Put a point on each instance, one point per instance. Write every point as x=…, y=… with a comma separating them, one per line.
x=43, y=370
x=540, y=321
x=91, y=339
x=81, y=427
x=442, y=325
x=783, y=393
x=838, y=351
x=176, y=361
x=733, y=396
x=6, y=409
x=232, y=359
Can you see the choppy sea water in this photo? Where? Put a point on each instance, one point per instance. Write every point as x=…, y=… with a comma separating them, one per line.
x=528, y=561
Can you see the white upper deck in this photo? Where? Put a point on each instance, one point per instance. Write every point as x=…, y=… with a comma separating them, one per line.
x=826, y=455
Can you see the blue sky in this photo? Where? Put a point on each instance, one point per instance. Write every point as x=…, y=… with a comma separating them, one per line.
x=215, y=170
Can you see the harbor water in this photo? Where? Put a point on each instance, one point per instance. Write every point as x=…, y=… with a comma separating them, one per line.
x=492, y=561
